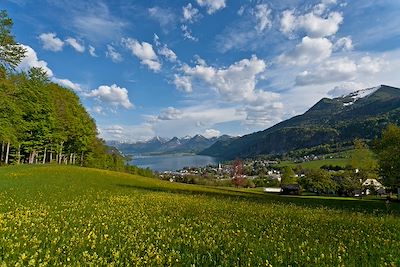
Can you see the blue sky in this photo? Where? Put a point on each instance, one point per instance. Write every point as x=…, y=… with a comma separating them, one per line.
x=211, y=67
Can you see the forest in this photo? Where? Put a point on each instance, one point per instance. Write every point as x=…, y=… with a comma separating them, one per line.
x=41, y=121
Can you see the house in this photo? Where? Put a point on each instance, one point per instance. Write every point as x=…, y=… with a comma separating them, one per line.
x=373, y=183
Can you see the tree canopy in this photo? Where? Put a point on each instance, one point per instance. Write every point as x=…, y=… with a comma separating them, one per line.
x=387, y=149
x=11, y=53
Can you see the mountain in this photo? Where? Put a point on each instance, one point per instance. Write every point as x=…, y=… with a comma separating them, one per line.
x=362, y=114
x=174, y=145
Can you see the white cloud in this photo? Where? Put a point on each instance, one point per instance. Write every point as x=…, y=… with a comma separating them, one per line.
x=209, y=133
x=167, y=53
x=98, y=110
x=183, y=83
x=113, y=54
x=345, y=88
x=190, y=14
x=68, y=84
x=92, y=51
x=344, y=44
x=51, y=42
x=212, y=5
x=288, y=22
x=235, y=84
x=164, y=17
x=93, y=20
x=127, y=133
x=75, y=44
x=187, y=33
x=170, y=113
x=310, y=50
x=31, y=60
x=330, y=71
x=114, y=95
x=371, y=65
x=144, y=51
x=314, y=24
x=340, y=69
x=262, y=13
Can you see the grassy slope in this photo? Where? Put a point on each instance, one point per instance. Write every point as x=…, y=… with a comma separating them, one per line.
x=316, y=164
x=61, y=215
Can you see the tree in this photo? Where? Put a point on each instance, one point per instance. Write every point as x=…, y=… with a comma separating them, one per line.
x=387, y=149
x=288, y=176
x=362, y=158
x=11, y=53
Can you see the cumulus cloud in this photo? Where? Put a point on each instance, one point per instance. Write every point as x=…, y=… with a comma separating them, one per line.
x=167, y=53
x=345, y=88
x=31, y=60
x=340, y=69
x=262, y=13
x=75, y=44
x=310, y=50
x=236, y=83
x=127, y=133
x=92, y=51
x=113, y=54
x=212, y=5
x=170, y=113
x=113, y=95
x=189, y=13
x=144, y=51
x=51, y=42
x=68, y=84
x=210, y=133
x=344, y=44
x=314, y=24
x=183, y=83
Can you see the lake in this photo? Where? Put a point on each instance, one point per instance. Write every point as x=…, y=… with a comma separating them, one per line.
x=172, y=162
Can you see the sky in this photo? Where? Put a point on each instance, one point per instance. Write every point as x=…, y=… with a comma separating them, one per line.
x=176, y=68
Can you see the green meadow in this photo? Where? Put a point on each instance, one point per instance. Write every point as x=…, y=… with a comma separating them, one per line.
x=61, y=215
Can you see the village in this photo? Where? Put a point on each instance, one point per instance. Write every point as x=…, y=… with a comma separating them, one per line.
x=275, y=178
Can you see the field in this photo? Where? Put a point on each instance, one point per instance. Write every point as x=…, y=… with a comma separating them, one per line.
x=316, y=164
x=59, y=215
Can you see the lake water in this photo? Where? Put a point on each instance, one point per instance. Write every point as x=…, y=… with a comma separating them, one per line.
x=172, y=162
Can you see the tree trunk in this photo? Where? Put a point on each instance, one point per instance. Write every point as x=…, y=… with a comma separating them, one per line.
x=60, y=154
x=70, y=158
x=44, y=156
x=19, y=154
x=74, y=159
x=82, y=159
x=51, y=156
x=2, y=151
x=7, y=152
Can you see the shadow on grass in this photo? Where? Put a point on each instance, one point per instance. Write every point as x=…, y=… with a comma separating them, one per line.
x=377, y=207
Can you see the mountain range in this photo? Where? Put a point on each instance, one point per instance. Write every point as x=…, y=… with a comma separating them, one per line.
x=159, y=145
x=362, y=114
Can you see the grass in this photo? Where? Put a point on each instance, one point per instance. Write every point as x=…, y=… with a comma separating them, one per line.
x=59, y=215
x=316, y=164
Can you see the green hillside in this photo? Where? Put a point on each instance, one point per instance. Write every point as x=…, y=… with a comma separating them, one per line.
x=330, y=121
x=65, y=215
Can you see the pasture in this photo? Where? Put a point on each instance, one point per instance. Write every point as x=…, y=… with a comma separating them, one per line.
x=60, y=215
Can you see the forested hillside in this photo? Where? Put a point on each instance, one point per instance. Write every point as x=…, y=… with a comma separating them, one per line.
x=40, y=121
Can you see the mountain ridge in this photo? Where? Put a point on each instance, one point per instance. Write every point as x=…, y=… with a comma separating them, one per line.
x=330, y=120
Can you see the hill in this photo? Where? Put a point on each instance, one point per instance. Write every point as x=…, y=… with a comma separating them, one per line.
x=362, y=114
x=62, y=215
